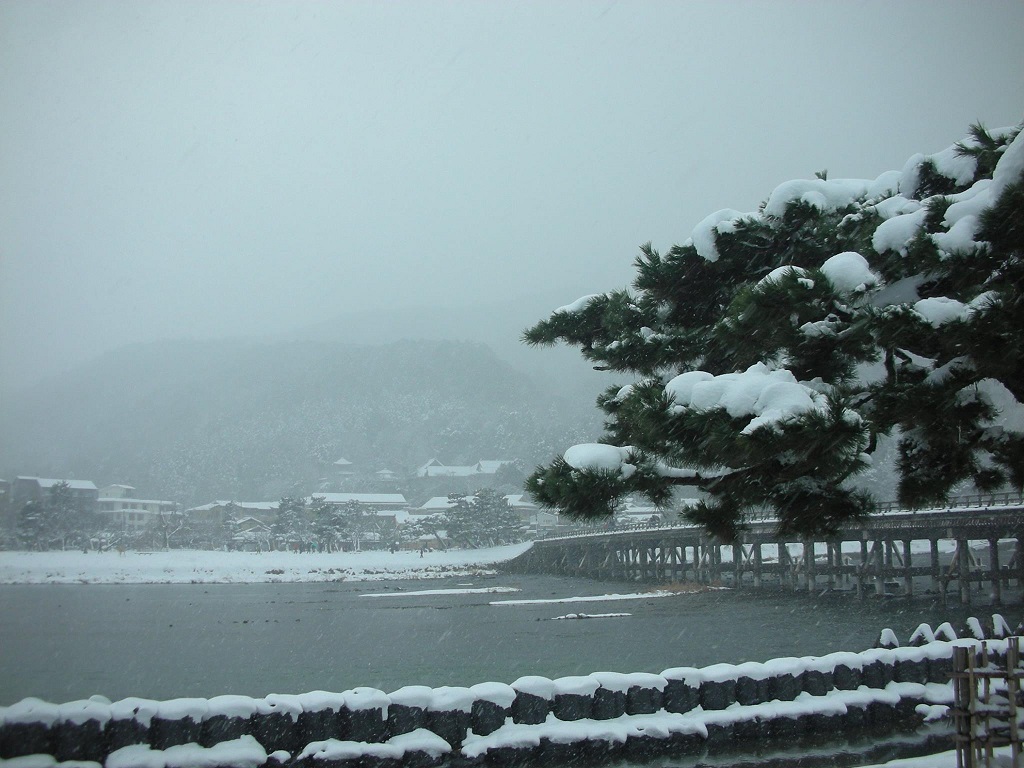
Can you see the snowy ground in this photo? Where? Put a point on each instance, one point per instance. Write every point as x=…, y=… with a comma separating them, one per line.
x=206, y=567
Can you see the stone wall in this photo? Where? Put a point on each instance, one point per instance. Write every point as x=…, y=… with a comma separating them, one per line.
x=683, y=708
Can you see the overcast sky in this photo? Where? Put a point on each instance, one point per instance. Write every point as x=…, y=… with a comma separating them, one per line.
x=175, y=169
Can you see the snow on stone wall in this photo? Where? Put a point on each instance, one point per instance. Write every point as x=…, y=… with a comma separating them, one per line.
x=491, y=718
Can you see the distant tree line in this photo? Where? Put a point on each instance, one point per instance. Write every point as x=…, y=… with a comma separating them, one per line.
x=480, y=520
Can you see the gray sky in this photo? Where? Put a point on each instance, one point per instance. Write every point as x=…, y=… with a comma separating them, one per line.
x=207, y=169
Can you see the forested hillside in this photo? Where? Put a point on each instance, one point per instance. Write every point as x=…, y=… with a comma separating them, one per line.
x=193, y=421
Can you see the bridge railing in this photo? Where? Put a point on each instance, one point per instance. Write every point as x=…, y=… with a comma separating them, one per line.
x=1007, y=499
x=967, y=501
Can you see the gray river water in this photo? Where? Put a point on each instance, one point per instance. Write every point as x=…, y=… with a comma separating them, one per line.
x=165, y=641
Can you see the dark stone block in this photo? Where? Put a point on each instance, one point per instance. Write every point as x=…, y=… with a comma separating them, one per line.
x=717, y=695
x=377, y=761
x=911, y=671
x=816, y=725
x=748, y=691
x=782, y=728
x=319, y=725
x=125, y=733
x=556, y=753
x=905, y=712
x=856, y=717
x=719, y=734
x=784, y=687
x=487, y=717
x=940, y=670
x=311, y=762
x=274, y=762
x=276, y=730
x=417, y=759
x=643, y=701
x=529, y=709
x=220, y=728
x=362, y=725
x=685, y=744
x=511, y=757
x=608, y=704
x=680, y=697
x=79, y=741
x=750, y=730
x=18, y=739
x=641, y=748
x=450, y=725
x=572, y=706
x=881, y=714
x=877, y=674
x=404, y=719
x=165, y=733
x=846, y=678
x=815, y=682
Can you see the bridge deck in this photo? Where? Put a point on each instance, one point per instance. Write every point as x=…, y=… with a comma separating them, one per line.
x=892, y=551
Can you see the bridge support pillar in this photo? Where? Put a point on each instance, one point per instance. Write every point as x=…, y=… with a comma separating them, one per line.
x=908, y=578
x=995, y=575
x=757, y=564
x=963, y=560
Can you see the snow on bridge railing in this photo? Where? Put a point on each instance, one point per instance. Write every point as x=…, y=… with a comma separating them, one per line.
x=977, y=500
x=968, y=501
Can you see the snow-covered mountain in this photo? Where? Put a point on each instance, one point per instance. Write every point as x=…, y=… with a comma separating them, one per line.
x=193, y=421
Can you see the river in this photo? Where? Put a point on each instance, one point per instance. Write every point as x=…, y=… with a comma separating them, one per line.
x=64, y=642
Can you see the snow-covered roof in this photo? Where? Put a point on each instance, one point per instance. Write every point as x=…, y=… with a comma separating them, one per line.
x=126, y=500
x=121, y=485
x=264, y=506
x=343, y=462
x=78, y=485
x=365, y=498
x=519, y=500
x=434, y=468
x=434, y=504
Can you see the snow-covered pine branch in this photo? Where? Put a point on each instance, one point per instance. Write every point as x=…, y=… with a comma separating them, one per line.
x=775, y=347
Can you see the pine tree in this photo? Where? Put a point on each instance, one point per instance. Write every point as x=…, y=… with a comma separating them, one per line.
x=772, y=349
x=329, y=523
x=55, y=520
x=291, y=523
x=360, y=520
x=482, y=520
x=31, y=528
x=502, y=523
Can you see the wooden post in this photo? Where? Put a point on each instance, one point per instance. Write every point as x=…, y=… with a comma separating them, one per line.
x=737, y=565
x=908, y=578
x=1019, y=553
x=809, y=566
x=937, y=582
x=757, y=564
x=878, y=548
x=861, y=568
x=964, y=567
x=994, y=575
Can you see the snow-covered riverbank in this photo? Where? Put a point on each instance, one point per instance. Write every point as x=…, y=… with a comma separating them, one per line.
x=206, y=567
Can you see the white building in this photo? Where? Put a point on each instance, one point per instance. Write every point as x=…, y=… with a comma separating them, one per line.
x=120, y=510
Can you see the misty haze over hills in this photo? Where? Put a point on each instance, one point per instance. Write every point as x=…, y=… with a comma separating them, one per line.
x=499, y=325
x=198, y=420
x=195, y=421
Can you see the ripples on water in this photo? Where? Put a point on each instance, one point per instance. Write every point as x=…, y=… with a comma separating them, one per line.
x=166, y=641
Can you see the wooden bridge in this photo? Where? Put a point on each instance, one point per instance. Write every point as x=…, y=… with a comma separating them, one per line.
x=971, y=544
